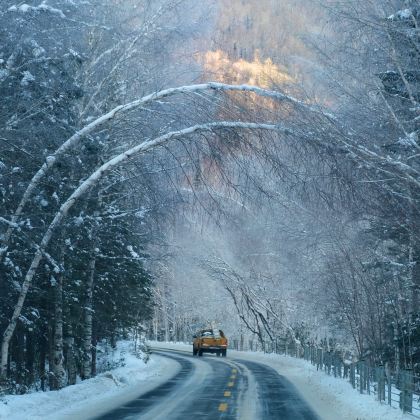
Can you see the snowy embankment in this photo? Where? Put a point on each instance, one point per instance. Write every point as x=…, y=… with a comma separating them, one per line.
x=94, y=396
x=332, y=398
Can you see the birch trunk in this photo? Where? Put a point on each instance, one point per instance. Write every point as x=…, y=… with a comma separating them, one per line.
x=87, y=320
x=155, y=324
x=86, y=186
x=59, y=378
x=69, y=351
x=71, y=363
x=166, y=322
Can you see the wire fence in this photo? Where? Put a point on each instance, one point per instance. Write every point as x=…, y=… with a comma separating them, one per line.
x=399, y=390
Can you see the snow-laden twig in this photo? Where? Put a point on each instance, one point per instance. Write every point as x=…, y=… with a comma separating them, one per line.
x=56, y=266
x=9, y=223
x=43, y=7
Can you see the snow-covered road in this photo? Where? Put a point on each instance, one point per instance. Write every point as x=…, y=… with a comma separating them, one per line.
x=330, y=398
x=175, y=385
x=217, y=388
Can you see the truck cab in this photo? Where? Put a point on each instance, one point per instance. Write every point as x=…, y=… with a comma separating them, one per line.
x=210, y=341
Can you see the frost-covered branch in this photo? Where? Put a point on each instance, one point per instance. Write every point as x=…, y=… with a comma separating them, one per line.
x=75, y=139
x=9, y=223
x=254, y=303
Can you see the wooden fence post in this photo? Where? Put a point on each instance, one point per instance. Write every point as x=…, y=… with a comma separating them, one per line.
x=406, y=394
x=353, y=375
x=339, y=367
x=389, y=383
x=361, y=376
x=381, y=382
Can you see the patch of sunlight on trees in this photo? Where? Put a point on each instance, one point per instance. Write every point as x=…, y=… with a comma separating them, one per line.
x=258, y=72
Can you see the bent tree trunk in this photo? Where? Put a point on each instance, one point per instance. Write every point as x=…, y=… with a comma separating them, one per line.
x=76, y=138
x=87, y=320
x=8, y=333
x=87, y=185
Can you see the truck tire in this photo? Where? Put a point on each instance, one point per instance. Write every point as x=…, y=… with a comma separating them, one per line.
x=224, y=353
x=200, y=353
x=194, y=352
x=218, y=353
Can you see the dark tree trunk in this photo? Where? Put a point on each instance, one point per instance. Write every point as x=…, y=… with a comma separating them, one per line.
x=69, y=351
x=88, y=319
x=94, y=353
x=30, y=357
x=50, y=353
x=59, y=374
x=43, y=344
x=20, y=356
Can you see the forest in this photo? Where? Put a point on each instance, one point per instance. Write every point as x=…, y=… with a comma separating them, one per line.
x=169, y=165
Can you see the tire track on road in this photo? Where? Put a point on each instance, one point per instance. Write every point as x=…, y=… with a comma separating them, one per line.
x=276, y=397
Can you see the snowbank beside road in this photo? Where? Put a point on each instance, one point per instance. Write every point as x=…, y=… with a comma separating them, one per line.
x=332, y=398
x=94, y=396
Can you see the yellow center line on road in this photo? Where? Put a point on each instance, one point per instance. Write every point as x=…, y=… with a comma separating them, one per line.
x=234, y=371
x=223, y=407
x=227, y=394
x=233, y=377
x=230, y=384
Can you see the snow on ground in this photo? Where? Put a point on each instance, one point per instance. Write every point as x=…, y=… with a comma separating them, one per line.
x=94, y=396
x=332, y=398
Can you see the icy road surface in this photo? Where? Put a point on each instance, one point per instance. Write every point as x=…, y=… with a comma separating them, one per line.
x=217, y=388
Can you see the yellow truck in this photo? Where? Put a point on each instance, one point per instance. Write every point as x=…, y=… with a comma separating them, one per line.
x=210, y=341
